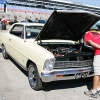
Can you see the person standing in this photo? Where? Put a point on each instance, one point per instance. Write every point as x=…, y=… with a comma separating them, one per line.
x=92, y=38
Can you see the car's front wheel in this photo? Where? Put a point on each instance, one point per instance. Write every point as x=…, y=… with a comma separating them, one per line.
x=4, y=53
x=34, y=78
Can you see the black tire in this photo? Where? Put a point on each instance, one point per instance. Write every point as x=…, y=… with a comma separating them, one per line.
x=4, y=53
x=34, y=78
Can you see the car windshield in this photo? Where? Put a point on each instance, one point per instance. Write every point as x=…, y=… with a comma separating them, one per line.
x=32, y=31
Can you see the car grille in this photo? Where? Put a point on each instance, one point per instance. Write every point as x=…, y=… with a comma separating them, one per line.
x=72, y=64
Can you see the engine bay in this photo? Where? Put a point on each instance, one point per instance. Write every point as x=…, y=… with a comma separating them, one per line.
x=70, y=52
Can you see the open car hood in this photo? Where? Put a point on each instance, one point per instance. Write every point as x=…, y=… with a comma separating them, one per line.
x=67, y=25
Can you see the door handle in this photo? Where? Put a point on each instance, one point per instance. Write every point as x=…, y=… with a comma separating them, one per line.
x=9, y=39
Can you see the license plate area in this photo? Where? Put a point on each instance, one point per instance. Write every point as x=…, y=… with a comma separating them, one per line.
x=81, y=75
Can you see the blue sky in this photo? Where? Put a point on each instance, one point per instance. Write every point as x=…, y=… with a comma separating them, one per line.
x=90, y=2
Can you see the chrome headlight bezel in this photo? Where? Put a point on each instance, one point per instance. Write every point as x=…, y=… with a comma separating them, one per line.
x=49, y=64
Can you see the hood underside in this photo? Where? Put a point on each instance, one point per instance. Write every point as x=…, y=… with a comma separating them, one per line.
x=68, y=25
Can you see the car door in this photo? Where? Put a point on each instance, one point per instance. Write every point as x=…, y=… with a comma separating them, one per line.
x=14, y=41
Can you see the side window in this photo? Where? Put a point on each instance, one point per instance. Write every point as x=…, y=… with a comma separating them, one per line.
x=17, y=30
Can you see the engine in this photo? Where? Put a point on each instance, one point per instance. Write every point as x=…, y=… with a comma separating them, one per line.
x=66, y=52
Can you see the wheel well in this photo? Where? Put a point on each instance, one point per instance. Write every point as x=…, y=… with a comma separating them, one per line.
x=28, y=62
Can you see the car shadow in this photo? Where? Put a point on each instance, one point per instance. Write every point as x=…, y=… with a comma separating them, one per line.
x=68, y=84
x=64, y=84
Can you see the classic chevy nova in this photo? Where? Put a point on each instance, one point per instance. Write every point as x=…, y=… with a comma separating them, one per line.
x=54, y=50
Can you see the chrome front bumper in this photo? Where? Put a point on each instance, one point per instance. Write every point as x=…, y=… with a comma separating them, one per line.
x=65, y=74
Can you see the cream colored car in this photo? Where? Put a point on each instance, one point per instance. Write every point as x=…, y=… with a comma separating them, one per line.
x=50, y=51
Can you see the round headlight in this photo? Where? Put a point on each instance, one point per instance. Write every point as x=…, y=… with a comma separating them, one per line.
x=49, y=63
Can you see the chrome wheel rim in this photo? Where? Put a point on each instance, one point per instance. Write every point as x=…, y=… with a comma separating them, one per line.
x=32, y=76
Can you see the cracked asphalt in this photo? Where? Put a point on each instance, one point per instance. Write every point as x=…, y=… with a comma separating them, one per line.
x=14, y=85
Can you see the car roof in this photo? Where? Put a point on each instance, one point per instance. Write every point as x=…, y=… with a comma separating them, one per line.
x=29, y=24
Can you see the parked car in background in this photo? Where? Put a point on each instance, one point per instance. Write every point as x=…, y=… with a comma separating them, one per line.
x=41, y=21
x=52, y=51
